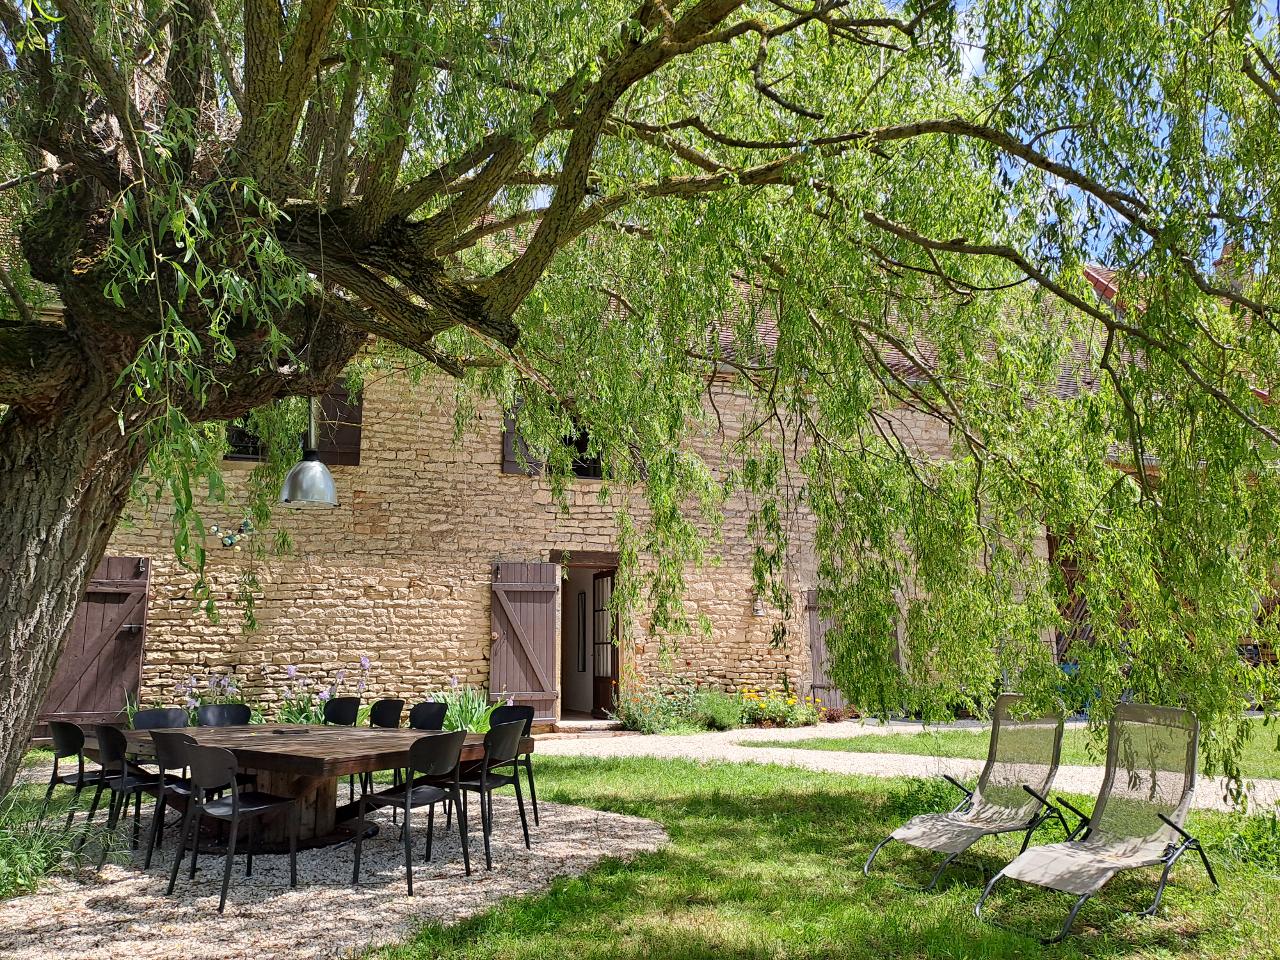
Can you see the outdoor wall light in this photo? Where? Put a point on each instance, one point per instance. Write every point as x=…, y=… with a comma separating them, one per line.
x=309, y=485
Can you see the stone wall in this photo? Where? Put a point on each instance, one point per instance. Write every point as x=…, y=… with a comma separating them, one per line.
x=400, y=571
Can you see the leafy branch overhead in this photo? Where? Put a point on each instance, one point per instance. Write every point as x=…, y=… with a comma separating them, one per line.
x=869, y=218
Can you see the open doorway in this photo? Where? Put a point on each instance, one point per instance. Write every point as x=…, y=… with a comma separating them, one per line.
x=589, y=664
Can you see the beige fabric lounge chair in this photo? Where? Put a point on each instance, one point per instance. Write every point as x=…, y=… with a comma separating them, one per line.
x=1137, y=819
x=1011, y=795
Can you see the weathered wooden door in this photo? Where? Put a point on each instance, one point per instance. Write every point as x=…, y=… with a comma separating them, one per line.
x=604, y=645
x=523, y=657
x=826, y=693
x=101, y=664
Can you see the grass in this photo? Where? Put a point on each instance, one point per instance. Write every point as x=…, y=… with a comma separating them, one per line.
x=764, y=863
x=1260, y=757
x=32, y=847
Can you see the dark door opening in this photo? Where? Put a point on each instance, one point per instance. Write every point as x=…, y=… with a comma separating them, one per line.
x=589, y=655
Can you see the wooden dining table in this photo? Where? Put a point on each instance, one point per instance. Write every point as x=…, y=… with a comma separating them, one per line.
x=307, y=761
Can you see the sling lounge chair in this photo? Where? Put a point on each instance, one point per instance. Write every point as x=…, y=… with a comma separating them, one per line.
x=1011, y=795
x=1137, y=819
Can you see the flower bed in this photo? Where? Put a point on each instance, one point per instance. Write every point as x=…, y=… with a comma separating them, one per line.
x=672, y=706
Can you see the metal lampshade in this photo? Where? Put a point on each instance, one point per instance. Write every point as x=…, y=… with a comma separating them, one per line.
x=310, y=484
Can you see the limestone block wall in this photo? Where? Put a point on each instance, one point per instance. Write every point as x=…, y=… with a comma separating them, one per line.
x=400, y=571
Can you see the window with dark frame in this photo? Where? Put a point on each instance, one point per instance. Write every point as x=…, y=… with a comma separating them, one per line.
x=516, y=457
x=339, y=423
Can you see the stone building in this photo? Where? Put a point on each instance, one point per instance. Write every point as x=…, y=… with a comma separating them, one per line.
x=444, y=560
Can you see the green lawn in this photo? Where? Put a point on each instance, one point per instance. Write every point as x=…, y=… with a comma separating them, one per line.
x=1260, y=759
x=765, y=863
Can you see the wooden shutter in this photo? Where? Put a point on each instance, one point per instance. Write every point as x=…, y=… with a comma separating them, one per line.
x=102, y=661
x=338, y=423
x=514, y=448
x=827, y=693
x=523, y=664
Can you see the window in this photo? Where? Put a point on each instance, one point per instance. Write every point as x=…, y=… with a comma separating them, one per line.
x=338, y=428
x=514, y=451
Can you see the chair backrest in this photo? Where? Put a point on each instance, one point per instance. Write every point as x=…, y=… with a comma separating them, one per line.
x=112, y=746
x=386, y=713
x=342, y=711
x=68, y=739
x=160, y=718
x=1019, y=752
x=428, y=715
x=1151, y=769
x=171, y=749
x=223, y=714
x=436, y=755
x=212, y=768
x=502, y=742
x=514, y=711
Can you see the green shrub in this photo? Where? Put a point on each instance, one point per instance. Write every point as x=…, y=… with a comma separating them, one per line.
x=775, y=708
x=717, y=710
x=32, y=847
x=663, y=707
x=1247, y=839
x=468, y=708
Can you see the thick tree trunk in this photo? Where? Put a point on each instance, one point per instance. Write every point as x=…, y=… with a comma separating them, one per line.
x=64, y=480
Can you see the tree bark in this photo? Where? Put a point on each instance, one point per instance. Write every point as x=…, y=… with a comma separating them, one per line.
x=64, y=481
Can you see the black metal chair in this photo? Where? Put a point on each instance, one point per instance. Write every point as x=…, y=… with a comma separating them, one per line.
x=171, y=754
x=123, y=780
x=431, y=777
x=385, y=714
x=223, y=714
x=428, y=715
x=160, y=718
x=501, y=745
x=524, y=713
x=213, y=769
x=68, y=741
x=343, y=712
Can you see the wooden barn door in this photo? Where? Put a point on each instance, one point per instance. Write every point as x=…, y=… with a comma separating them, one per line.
x=523, y=660
x=827, y=693
x=102, y=661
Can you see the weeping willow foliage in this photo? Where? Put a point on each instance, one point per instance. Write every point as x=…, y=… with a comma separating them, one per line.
x=911, y=194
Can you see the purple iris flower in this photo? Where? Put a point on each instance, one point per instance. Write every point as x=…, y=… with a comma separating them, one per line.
x=364, y=663
x=453, y=681
x=291, y=671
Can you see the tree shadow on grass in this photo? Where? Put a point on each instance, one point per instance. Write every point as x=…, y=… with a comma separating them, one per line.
x=768, y=864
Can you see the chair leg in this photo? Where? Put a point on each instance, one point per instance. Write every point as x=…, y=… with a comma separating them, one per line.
x=977, y=910
x=294, y=828
x=1071, y=918
x=182, y=843
x=137, y=817
x=462, y=833
x=195, y=845
x=153, y=835
x=533, y=791
x=360, y=827
x=524, y=821
x=248, y=850
x=113, y=818
x=486, y=824
x=866, y=867
x=71, y=808
x=937, y=874
x=408, y=846
x=226, y=869
x=48, y=794
x=431, y=829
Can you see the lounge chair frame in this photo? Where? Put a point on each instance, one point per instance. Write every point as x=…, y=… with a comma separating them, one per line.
x=1184, y=842
x=1042, y=814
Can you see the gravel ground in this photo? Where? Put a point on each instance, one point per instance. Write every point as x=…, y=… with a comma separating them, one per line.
x=124, y=913
x=729, y=746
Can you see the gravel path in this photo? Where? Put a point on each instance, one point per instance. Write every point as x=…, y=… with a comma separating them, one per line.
x=730, y=746
x=124, y=913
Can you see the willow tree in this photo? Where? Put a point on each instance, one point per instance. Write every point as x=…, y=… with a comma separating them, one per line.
x=559, y=203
